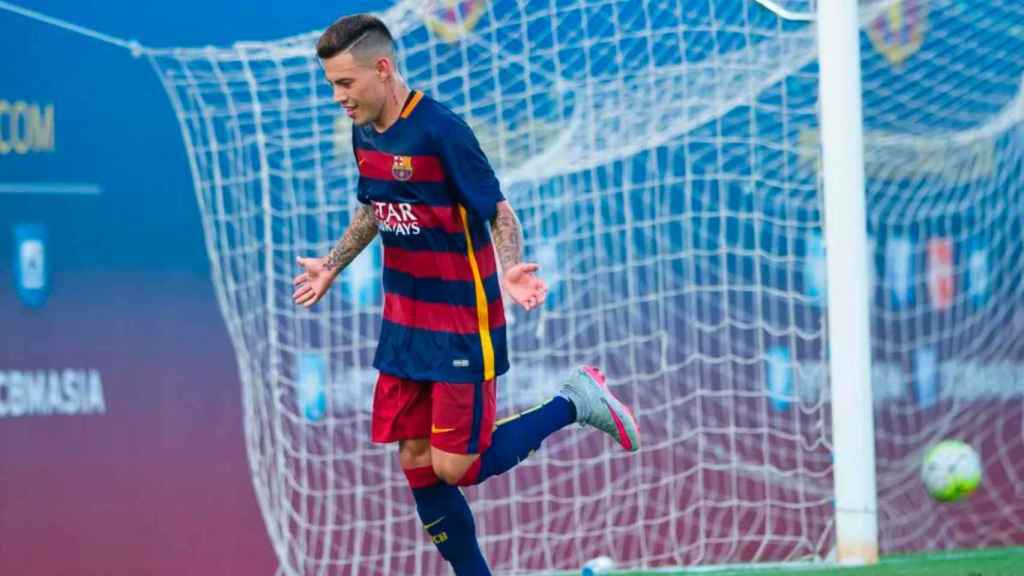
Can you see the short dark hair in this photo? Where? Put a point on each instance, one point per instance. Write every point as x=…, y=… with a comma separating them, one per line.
x=363, y=30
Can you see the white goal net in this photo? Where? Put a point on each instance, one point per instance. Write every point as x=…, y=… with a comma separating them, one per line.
x=663, y=158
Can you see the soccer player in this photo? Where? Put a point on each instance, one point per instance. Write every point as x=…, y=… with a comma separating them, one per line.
x=428, y=189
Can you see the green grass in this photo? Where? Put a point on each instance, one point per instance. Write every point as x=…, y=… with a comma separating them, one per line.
x=992, y=562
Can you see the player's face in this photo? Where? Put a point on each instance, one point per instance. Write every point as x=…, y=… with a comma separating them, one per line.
x=359, y=86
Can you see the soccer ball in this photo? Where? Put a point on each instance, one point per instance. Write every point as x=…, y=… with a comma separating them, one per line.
x=597, y=566
x=951, y=471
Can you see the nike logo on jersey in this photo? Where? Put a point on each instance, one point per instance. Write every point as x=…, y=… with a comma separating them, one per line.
x=435, y=430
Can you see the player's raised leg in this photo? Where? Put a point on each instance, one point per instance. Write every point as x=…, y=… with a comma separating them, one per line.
x=584, y=398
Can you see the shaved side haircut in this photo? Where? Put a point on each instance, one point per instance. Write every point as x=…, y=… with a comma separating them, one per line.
x=363, y=35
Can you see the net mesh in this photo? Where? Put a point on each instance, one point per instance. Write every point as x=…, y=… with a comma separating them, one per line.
x=663, y=159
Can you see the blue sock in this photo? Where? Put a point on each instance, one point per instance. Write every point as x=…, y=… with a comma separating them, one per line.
x=449, y=521
x=515, y=439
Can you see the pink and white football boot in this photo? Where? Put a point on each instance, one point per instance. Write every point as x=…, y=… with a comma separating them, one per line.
x=596, y=406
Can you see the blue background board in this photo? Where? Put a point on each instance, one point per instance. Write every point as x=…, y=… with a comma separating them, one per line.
x=158, y=482
x=115, y=127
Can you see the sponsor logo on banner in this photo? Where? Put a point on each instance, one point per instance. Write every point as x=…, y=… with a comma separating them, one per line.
x=547, y=256
x=362, y=285
x=815, y=273
x=977, y=275
x=899, y=271
x=926, y=377
x=779, y=372
x=890, y=158
x=451, y=20
x=26, y=127
x=64, y=392
x=893, y=382
x=872, y=273
x=898, y=32
x=312, y=385
x=31, y=264
x=341, y=138
x=941, y=280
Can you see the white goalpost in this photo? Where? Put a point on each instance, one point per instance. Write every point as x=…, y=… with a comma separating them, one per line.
x=790, y=232
x=849, y=333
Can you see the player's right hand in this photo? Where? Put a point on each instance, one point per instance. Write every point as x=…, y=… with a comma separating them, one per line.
x=313, y=282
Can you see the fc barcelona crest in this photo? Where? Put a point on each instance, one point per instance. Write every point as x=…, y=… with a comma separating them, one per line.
x=401, y=168
x=898, y=32
x=453, y=19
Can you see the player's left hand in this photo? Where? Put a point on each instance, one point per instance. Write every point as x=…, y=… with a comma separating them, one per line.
x=523, y=287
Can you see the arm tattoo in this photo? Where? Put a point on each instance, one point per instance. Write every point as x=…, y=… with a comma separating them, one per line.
x=508, y=236
x=359, y=234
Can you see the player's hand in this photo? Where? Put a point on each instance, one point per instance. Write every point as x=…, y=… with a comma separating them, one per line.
x=523, y=287
x=313, y=282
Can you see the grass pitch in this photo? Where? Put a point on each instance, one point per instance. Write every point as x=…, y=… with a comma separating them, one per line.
x=990, y=562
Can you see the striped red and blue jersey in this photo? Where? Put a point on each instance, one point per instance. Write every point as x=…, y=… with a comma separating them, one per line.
x=433, y=191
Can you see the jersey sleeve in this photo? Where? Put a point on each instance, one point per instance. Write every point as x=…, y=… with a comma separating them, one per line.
x=475, y=185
